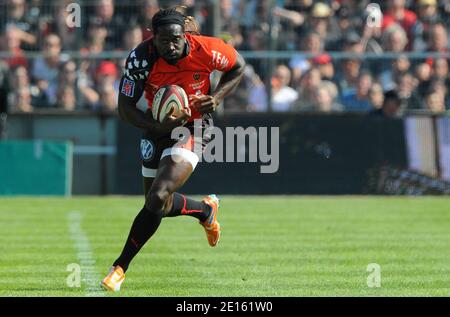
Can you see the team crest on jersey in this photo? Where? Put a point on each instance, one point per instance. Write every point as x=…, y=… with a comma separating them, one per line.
x=128, y=87
x=147, y=150
x=196, y=76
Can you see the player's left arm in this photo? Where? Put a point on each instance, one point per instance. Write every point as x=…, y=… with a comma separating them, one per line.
x=228, y=82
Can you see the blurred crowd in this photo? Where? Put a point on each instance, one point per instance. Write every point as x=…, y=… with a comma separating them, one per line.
x=327, y=69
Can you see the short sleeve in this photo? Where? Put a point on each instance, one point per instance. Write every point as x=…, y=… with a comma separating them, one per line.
x=137, y=68
x=222, y=55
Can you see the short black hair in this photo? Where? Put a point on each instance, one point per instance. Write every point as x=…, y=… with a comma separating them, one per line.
x=167, y=16
x=392, y=95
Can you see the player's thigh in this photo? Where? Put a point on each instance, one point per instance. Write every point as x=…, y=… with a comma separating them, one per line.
x=172, y=173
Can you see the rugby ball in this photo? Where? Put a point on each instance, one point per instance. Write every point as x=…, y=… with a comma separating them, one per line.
x=166, y=98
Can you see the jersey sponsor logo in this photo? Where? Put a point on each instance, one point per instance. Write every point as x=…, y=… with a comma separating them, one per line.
x=219, y=60
x=147, y=150
x=128, y=87
x=199, y=85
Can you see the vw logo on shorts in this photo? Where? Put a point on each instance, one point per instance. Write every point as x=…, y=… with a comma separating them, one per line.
x=147, y=150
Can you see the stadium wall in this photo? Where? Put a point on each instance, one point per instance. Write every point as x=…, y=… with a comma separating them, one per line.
x=319, y=154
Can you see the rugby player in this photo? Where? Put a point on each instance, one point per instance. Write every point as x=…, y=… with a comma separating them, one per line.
x=175, y=55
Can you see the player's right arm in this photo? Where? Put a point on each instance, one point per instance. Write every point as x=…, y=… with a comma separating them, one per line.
x=132, y=86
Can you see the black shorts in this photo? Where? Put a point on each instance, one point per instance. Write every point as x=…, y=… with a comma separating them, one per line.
x=154, y=147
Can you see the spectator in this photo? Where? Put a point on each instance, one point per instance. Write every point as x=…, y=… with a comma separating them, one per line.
x=86, y=96
x=348, y=22
x=16, y=18
x=307, y=87
x=283, y=96
x=293, y=17
x=66, y=98
x=344, y=21
x=96, y=41
x=226, y=13
x=324, y=99
x=249, y=95
x=391, y=106
x=45, y=69
x=440, y=72
x=256, y=41
x=406, y=88
x=324, y=63
x=10, y=43
x=67, y=34
x=347, y=76
x=388, y=76
x=376, y=96
x=311, y=44
x=108, y=98
x=132, y=37
x=440, y=87
x=398, y=14
x=422, y=72
x=321, y=22
x=107, y=73
x=358, y=100
x=106, y=84
x=438, y=38
x=256, y=13
x=440, y=69
x=20, y=79
x=104, y=14
x=21, y=100
x=435, y=100
x=394, y=39
x=428, y=14
x=149, y=9
x=18, y=98
x=96, y=38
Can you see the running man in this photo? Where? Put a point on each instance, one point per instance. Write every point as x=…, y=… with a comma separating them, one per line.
x=175, y=55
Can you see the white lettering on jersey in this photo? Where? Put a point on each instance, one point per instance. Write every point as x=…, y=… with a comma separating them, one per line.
x=219, y=60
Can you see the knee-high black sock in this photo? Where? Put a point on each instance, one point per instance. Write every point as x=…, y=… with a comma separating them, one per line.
x=185, y=206
x=144, y=226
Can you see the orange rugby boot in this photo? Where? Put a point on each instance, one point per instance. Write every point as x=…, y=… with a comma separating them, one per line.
x=211, y=225
x=114, y=279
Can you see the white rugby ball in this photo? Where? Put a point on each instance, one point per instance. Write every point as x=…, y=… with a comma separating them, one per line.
x=166, y=98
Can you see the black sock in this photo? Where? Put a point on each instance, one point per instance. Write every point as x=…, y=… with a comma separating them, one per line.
x=189, y=207
x=144, y=226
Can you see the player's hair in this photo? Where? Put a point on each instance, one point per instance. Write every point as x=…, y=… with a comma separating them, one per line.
x=392, y=95
x=173, y=15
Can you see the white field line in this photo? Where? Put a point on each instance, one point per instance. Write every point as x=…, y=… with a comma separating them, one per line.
x=85, y=256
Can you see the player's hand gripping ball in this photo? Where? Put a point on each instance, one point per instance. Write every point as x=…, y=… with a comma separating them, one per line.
x=204, y=103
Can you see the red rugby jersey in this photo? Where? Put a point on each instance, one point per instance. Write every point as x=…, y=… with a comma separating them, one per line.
x=145, y=72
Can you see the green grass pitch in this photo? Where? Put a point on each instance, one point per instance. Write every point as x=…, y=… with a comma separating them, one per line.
x=270, y=246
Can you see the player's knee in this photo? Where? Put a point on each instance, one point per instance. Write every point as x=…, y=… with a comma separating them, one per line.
x=157, y=197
